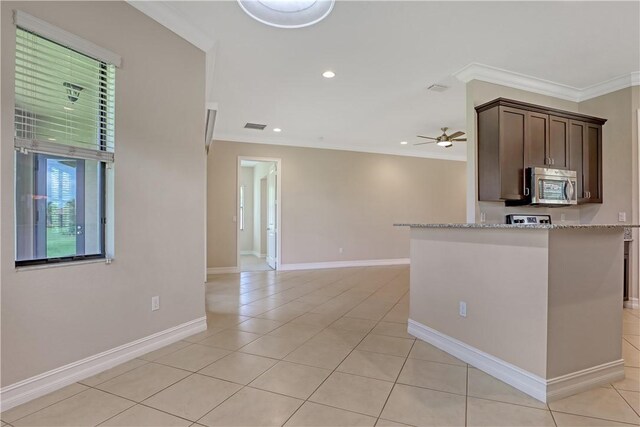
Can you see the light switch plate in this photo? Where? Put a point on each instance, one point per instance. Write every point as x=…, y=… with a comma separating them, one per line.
x=463, y=309
x=155, y=303
x=622, y=216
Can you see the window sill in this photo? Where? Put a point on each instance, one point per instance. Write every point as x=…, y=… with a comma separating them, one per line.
x=63, y=264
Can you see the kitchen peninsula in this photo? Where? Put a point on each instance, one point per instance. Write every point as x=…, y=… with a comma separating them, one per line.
x=536, y=306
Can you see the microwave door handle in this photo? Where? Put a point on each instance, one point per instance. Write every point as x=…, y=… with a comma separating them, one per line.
x=569, y=191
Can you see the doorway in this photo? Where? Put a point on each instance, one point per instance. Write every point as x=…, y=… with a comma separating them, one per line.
x=258, y=224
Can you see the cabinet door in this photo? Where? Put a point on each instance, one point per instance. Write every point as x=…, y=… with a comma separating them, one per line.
x=537, y=140
x=577, y=132
x=592, y=163
x=559, y=142
x=512, y=136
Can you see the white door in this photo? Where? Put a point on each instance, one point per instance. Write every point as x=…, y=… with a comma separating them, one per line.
x=272, y=217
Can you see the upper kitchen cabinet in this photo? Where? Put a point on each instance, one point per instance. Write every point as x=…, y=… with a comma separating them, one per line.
x=513, y=136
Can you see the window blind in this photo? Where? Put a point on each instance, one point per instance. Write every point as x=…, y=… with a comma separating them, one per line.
x=64, y=100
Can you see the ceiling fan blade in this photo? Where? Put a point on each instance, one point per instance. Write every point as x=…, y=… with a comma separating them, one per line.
x=422, y=143
x=427, y=137
x=459, y=139
x=456, y=134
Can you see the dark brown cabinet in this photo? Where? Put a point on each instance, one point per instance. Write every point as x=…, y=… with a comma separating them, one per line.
x=577, y=131
x=559, y=142
x=513, y=136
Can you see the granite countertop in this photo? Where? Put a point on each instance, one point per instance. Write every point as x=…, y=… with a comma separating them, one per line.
x=527, y=226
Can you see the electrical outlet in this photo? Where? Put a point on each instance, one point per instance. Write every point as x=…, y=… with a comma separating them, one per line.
x=483, y=216
x=234, y=219
x=622, y=216
x=463, y=309
x=155, y=303
x=563, y=217
x=339, y=250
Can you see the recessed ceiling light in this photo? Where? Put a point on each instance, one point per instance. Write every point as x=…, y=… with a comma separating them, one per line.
x=403, y=142
x=328, y=74
x=287, y=13
x=51, y=139
x=277, y=130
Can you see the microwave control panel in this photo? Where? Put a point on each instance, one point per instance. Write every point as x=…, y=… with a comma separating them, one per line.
x=528, y=219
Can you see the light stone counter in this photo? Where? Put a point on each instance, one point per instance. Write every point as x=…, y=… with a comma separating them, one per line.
x=512, y=226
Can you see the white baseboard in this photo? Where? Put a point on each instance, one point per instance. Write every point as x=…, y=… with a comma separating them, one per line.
x=531, y=384
x=39, y=385
x=577, y=382
x=631, y=303
x=342, y=264
x=247, y=253
x=222, y=270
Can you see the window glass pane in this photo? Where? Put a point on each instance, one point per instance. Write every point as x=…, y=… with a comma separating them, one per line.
x=59, y=207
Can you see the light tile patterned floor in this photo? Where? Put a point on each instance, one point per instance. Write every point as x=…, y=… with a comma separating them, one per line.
x=324, y=347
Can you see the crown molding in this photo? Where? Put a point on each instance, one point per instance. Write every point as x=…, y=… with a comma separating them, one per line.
x=168, y=16
x=342, y=147
x=487, y=73
x=612, y=85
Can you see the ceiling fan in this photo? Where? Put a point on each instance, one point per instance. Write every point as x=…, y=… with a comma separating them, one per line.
x=444, y=140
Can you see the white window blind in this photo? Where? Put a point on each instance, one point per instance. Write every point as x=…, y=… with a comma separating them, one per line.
x=64, y=100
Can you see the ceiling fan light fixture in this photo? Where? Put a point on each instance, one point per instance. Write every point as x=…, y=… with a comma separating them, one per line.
x=445, y=144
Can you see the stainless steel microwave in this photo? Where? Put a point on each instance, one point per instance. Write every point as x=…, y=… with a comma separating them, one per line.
x=551, y=187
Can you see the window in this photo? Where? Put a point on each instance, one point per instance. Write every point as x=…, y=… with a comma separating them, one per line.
x=64, y=139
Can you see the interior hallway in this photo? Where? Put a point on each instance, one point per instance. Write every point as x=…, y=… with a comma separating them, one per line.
x=251, y=263
x=320, y=347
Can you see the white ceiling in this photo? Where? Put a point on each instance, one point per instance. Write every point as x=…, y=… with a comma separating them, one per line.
x=385, y=55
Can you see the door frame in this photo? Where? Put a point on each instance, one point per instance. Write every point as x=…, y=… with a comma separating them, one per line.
x=278, y=162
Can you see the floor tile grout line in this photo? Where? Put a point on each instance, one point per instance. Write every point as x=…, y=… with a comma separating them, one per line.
x=466, y=399
x=625, y=401
x=552, y=417
x=45, y=407
x=595, y=418
x=247, y=385
x=342, y=361
x=326, y=327
x=396, y=381
x=507, y=403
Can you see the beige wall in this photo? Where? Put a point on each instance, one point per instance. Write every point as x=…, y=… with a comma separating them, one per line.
x=336, y=199
x=55, y=316
x=584, y=323
x=619, y=165
x=546, y=301
x=617, y=159
x=503, y=282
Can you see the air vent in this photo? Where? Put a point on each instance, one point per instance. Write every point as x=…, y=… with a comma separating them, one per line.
x=438, y=88
x=255, y=126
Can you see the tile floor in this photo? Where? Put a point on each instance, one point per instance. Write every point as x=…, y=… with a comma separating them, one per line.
x=250, y=263
x=318, y=348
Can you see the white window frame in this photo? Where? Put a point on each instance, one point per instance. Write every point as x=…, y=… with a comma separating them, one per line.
x=51, y=32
